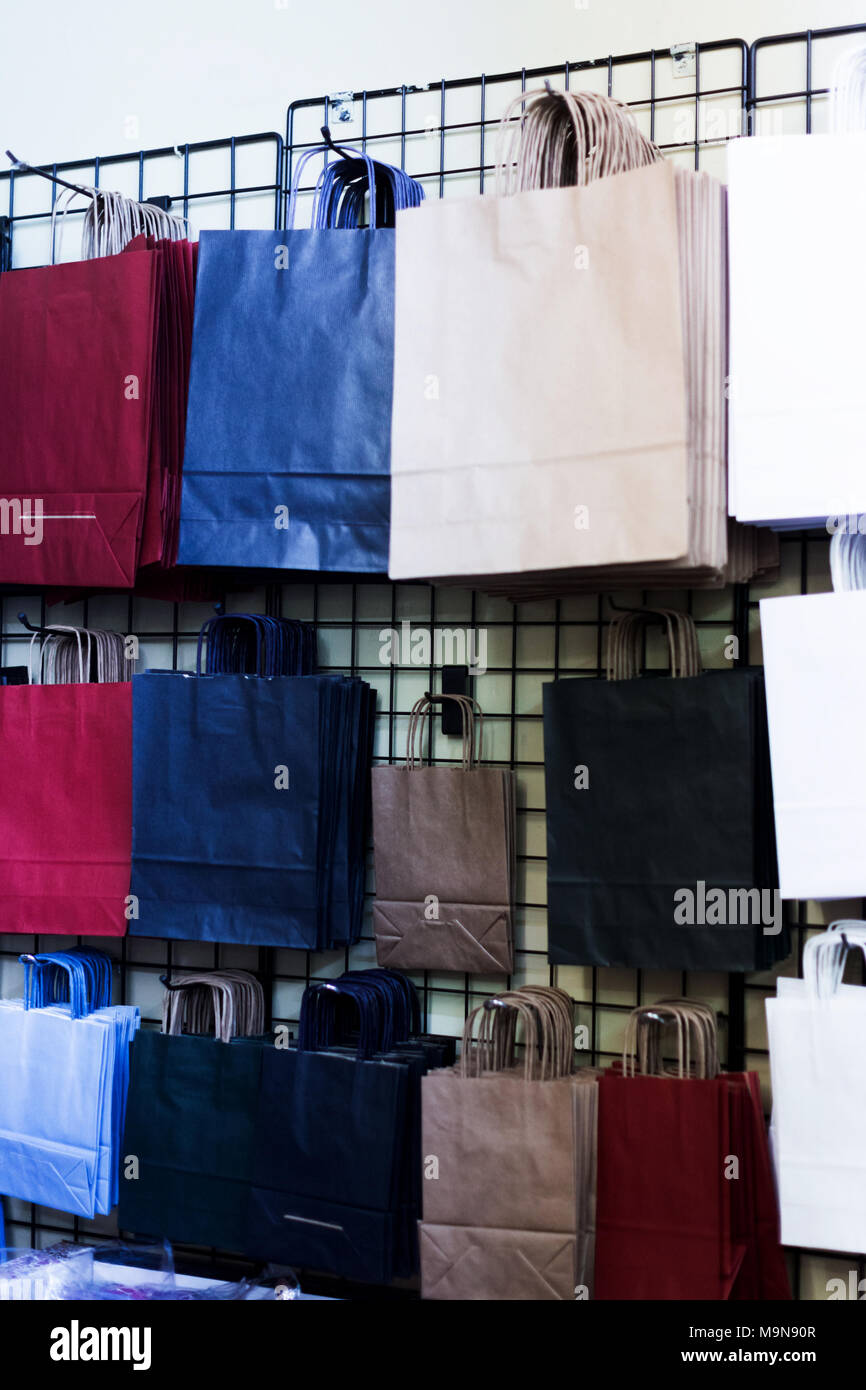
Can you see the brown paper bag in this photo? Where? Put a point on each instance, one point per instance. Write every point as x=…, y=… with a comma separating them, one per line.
x=444, y=848
x=510, y=1213
x=468, y=1262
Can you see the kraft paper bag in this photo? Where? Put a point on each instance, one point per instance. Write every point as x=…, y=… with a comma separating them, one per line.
x=523, y=384
x=511, y=1211
x=444, y=846
x=474, y=1263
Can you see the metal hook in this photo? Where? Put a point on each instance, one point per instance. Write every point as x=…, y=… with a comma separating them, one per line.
x=25, y=622
x=622, y=608
x=332, y=145
x=21, y=166
x=164, y=980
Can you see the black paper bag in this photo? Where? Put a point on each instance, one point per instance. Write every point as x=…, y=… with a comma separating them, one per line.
x=658, y=797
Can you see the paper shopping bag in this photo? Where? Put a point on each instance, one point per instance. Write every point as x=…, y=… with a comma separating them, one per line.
x=444, y=843
x=76, y=395
x=66, y=812
x=499, y=449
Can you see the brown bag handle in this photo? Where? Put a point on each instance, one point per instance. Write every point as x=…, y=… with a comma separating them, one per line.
x=493, y=1051
x=469, y=708
x=624, y=639
x=547, y=1015
x=696, y=1034
x=563, y=139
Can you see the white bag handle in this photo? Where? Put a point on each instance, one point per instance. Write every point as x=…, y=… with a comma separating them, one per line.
x=824, y=956
x=57, y=627
x=848, y=92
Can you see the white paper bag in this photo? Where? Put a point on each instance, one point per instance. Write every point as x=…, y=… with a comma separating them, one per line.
x=815, y=671
x=819, y=1111
x=797, y=221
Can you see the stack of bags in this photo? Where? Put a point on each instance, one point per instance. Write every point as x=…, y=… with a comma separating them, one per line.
x=94, y=360
x=509, y=1152
x=66, y=810
x=250, y=795
x=337, y=1173
x=596, y=457
x=192, y=1105
x=660, y=847
x=64, y=1073
x=308, y=1154
x=811, y=382
x=798, y=381
x=288, y=433
x=444, y=843
x=817, y=1031
x=686, y=1205
x=798, y=418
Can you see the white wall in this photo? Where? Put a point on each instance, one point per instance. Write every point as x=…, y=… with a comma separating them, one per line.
x=74, y=71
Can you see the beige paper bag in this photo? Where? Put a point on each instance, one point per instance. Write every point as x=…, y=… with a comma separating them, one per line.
x=540, y=405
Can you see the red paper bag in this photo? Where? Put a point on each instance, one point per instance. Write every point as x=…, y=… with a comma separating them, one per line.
x=77, y=352
x=65, y=808
x=663, y=1217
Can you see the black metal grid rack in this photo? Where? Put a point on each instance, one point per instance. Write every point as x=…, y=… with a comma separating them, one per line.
x=444, y=134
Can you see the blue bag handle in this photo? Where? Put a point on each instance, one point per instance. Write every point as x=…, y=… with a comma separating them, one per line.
x=220, y=618
x=296, y=182
x=85, y=976
x=316, y=1030
x=331, y=181
x=284, y=646
x=341, y=200
x=407, y=1013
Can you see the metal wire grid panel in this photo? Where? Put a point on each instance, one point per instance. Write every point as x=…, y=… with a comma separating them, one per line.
x=445, y=135
x=234, y=182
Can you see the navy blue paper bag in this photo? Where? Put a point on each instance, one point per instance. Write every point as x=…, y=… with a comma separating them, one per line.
x=287, y=456
x=337, y=1167
x=249, y=798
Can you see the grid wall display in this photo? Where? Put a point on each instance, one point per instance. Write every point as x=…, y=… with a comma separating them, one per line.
x=691, y=103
